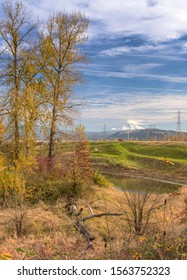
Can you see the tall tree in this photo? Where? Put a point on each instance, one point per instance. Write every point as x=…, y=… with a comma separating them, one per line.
x=33, y=99
x=60, y=47
x=16, y=28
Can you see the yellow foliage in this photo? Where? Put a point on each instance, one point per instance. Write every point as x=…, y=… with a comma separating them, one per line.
x=167, y=161
x=13, y=178
x=137, y=256
x=1, y=129
x=2, y=163
x=6, y=256
x=24, y=165
x=142, y=238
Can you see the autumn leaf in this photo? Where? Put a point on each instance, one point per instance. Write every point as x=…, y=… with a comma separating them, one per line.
x=6, y=256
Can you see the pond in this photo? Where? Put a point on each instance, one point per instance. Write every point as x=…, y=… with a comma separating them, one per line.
x=148, y=185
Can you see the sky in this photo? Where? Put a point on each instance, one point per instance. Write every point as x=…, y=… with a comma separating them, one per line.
x=137, y=68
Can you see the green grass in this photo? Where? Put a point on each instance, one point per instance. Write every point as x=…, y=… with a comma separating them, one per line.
x=161, y=150
x=141, y=154
x=113, y=152
x=145, y=156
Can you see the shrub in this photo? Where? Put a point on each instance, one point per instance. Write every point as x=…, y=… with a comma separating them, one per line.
x=100, y=180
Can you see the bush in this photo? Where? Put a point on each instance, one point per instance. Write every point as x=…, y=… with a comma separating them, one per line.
x=100, y=180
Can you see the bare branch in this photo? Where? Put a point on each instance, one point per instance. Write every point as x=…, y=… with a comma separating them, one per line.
x=101, y=215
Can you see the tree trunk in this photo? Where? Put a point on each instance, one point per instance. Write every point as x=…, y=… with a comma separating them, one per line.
x=52, y=134
x=16, y=137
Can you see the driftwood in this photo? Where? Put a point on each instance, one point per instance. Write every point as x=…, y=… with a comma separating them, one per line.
x=101, y=215
x=82, y=229
x=73, y=210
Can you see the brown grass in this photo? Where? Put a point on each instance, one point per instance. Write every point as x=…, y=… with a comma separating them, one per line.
x=50, y=232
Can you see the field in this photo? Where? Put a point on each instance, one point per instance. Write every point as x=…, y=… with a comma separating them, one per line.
x=160, y=159
x=124, y=225
x=49, y=233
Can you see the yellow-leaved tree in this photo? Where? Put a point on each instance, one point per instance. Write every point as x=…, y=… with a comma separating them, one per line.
x=61, y=54
x=16, y=34
x=15, y=191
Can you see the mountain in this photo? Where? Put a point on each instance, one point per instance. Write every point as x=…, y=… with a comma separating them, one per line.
x=137, y=134
x=131, y=125
x=147, y=134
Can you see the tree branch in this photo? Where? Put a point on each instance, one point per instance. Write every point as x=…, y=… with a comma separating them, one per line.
x=101, y=215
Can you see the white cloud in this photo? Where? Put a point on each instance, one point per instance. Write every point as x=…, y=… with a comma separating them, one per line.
x=140, y=68
x=184, y=48
x=157, y=110
x=156, y=20
x=134, y=50
x=171, y=51
x=127, y=75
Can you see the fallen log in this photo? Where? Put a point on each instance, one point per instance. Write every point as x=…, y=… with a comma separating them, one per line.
x=101, y=215
x=72, y=209
x=82, y=229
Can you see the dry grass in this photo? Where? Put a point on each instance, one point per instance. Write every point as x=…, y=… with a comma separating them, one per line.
x=51, y=234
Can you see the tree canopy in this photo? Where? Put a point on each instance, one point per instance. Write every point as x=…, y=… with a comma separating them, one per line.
x=38, y=71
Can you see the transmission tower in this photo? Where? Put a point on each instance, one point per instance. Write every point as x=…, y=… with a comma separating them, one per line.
x=178, y=121
x=104, y=131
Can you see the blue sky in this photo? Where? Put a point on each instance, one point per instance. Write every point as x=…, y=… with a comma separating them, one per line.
x=138, y=61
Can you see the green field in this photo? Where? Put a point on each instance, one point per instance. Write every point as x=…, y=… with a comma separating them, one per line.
x=170, y=158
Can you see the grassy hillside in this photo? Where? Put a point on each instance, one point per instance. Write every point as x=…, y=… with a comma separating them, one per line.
x=144, y=156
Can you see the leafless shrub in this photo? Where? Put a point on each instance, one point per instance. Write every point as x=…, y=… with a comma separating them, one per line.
x=139, y=208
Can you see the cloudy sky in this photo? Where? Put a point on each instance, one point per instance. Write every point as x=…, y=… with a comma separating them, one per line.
x=138, y=61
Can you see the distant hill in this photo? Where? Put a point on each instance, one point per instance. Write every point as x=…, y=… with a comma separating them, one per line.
x=138, y=134
x=147, y=134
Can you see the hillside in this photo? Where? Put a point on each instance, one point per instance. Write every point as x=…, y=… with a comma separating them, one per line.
x=146, y=134
x=137, y=134
x=156, y=159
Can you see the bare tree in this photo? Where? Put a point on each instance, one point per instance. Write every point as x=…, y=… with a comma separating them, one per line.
x=79, y=167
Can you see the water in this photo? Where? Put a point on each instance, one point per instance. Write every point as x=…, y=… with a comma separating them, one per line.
x=142, y=185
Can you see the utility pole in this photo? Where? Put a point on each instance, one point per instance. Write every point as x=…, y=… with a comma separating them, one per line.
x=178, y=129
x=150, y=132
x=147, y=134
x=153, y=133
x=178, y=121
x=104, y=130
x=128, y=135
